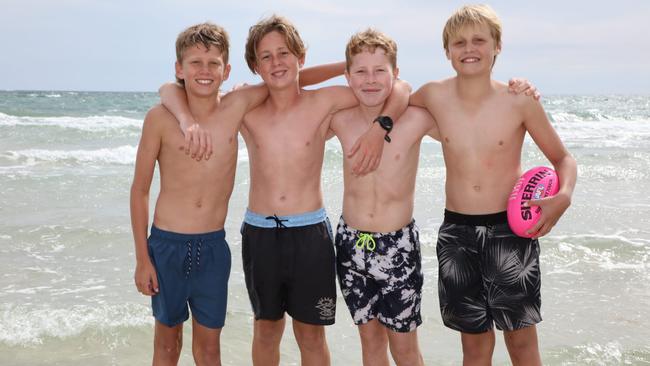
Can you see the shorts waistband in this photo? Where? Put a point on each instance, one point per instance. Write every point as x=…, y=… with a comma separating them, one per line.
x=214, y=235
x=476, y=220
x=274, y=221
x=353, y=231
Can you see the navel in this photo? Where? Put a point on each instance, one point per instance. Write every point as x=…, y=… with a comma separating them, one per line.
x=477, y=188
x=283, y=198
x=500, y=142
x=397, y=156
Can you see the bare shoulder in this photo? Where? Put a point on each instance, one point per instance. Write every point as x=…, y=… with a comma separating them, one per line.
x=159, y=114
x=520, y=101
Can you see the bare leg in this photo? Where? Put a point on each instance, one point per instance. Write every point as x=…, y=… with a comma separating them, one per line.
x=266, y=342
x=312, y=344
x=206, y=347
x=404, y=348
x=522, y=346
x=374, y=343
x=167, y=344
x=477, y=348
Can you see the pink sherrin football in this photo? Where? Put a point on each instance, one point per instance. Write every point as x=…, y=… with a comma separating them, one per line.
x=536, y=183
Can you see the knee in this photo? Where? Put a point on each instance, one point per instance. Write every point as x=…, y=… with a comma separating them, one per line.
x=313, y=339
x=518, y=345
x=267, y=335
x=477, y=350
x=374, y=341
x=208, y=352
x=169, y=349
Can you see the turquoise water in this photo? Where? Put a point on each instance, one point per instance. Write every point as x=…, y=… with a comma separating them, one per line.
x=66, y=287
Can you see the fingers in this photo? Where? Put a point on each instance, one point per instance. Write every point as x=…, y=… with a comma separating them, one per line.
x=202, y=147
x=154, y=283
x=354, y=149
x=208, y=151
x=360, y=162
x=188, y=142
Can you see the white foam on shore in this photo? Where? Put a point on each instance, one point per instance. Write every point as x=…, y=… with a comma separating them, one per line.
x=118, y=155
x=23, y=325
x=90, y=123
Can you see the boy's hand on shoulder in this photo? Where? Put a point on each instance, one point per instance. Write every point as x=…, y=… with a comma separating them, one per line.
x=552, y=209
x=198, y=142
x=520, y=85
x=145, y=279
x=368, y=150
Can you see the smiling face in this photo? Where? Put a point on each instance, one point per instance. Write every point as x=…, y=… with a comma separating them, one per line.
x=472, y=50
x=275, y=62
x=202, y=70
x=371, y=76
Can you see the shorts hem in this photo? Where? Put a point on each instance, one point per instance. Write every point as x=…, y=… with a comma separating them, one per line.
x=519, y=327
x=170, y=324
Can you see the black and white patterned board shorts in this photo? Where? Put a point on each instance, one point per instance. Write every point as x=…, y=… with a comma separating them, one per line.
x=486, y=274
x=381, y=275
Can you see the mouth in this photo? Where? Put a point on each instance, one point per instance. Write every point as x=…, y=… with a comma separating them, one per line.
x=279, y=74
x=371, y=90
x=204, y=81
x=470, y=60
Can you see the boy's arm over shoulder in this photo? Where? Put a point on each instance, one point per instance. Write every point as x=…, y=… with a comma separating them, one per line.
x=145, y=162
x=370, y=145
x=426, y=95
x=425, y=121
x=319, y=73
x=198, y=141
x=241, y=100
x=542, y=132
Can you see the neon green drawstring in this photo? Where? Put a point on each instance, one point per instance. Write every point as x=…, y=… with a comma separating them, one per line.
x=366, y=240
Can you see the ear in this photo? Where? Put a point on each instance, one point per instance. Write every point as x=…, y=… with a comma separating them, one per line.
x=396, y=73
x=226, y=72
x=447, y=54
x=347, y=75
x=301, y=61
x=179, y=70
x=498, y=48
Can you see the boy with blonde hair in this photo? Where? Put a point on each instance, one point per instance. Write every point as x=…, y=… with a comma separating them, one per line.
x=486, y=273
x=186, y=260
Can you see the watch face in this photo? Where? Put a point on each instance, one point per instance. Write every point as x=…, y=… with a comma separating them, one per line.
x=386, y=122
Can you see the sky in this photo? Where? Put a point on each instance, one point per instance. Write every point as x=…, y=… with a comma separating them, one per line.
x=563, y=47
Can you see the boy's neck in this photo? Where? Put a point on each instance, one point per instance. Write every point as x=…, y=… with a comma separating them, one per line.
x=202, y=106
x=282, y=99
x=369, y=113
x=473, y=87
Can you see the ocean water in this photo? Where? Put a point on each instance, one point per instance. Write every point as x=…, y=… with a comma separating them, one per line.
x=66, y=281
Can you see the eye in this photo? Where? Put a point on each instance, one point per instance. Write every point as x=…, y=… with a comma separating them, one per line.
x=265, y=57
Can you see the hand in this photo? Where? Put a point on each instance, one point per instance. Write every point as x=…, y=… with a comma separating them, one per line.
x=198, y=142
x=518, y=86
x=369, y=147
x=145, y=279
x=552, y=210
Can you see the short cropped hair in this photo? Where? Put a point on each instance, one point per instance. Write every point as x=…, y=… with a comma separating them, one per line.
x=208, y=34
x=265, y=26
x=370, y=40
x=471, y=15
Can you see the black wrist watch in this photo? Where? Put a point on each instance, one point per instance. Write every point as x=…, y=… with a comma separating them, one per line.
x=386, y=123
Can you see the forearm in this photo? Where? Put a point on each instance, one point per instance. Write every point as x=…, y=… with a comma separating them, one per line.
x=173, y=97
x=140, y=223
x=567, y=171
x=317, y=74
x=397, y=101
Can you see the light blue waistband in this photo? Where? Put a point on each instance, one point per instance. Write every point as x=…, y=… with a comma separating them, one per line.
x=269, y=221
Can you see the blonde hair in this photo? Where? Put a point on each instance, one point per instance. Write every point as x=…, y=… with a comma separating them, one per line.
x=209, y=35
x=370, y=40
x=471, y=15
x=265, y=26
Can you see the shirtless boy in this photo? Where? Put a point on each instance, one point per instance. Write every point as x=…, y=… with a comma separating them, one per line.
x=486, y=273
x=186, y=260
x=377, y=245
